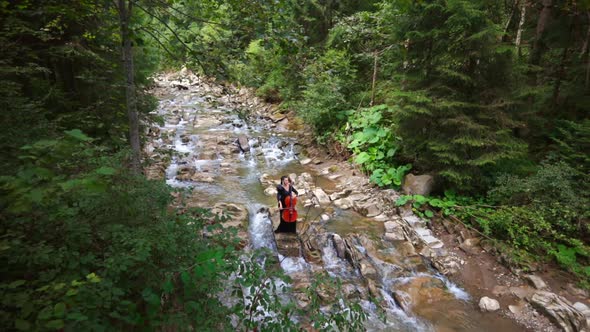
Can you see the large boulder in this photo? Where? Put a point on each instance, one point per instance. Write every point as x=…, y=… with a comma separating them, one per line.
x=560, y=310
x=488, y=304
x=418, y=185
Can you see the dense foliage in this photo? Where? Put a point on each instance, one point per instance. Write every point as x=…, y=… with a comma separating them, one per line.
x=87, y=243
x=490, y=97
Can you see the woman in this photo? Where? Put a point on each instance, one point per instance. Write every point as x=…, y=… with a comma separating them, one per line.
x=284, y=190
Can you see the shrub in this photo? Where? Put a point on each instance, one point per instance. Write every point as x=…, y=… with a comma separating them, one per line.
x=329, y=80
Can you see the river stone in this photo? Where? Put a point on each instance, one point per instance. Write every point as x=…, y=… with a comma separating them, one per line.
x=584, y=310
x=536, y=281
x=343, y=203
x=243, y=143
x=560, y=310
x=576, y=291
x=305, y=161
x=339, y=245
x=202, y=177
x=270, y=191
x=403, y=300
x=394, y=236
x=420, y=291
x=418, y=185
x=340, y=194
x=522, y=292
x=288, y=244
x=185, y=173
x=321, y=196
x=517, y=308
x=488, y=304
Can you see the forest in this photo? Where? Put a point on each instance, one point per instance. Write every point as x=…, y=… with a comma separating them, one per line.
x=490, y=97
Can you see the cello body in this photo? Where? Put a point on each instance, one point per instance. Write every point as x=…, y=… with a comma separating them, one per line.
x=289, y=212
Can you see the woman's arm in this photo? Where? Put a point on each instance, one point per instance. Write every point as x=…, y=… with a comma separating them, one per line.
x=280, y=197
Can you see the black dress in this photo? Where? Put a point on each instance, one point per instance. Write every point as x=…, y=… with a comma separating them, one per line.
x=285, y=227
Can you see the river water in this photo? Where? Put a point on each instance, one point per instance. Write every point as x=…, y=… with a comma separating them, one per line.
x=201, y=126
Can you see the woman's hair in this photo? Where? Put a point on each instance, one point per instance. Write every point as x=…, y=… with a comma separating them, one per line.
x=286, y=177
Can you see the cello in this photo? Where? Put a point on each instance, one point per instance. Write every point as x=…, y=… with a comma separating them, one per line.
x=289, y=212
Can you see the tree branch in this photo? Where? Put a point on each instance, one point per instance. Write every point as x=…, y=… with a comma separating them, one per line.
x=175, y=35
x=160, y=43
x=189, y=16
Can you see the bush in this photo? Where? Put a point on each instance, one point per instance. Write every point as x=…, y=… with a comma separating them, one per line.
x=329, y=81
x=88, y=246
x=370, y=137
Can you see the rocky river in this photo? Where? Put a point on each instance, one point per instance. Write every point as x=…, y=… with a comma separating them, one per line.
x=232, y=148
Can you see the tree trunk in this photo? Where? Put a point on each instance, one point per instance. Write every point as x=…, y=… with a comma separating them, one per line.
x=127, y=52
x=507, y=25
x=376, y=54
x=560, y=75
x=541, y=25
x=585, y=54
x=520, y=25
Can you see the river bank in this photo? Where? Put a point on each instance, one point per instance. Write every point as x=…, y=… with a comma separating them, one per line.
x=219, y=139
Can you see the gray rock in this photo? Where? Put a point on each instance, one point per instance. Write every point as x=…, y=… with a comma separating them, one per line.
x=522, y=292
x=270, y=190
x=576, y=291
x=339, y=245
x=418, y=185
x=343, y=203
x=395, y=236
x=288, y=244
x=488, y=304
x=537, y=282
x=305, y=161
x=560, y=310
x=321, y=196
x=243, y=143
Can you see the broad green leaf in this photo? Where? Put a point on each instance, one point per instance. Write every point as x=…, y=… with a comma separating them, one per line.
x=429, y=213
x=391, y=152
x=402, y=200
x=59, y=309
x=362, y=158
x=78, y=134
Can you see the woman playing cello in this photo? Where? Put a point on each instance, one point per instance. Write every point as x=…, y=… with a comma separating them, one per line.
x=287, y=199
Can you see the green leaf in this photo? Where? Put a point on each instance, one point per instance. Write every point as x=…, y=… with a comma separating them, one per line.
x=77, y=316
x=59, y=309
x=106, y=171
x=55, y=324
x=391, y=152
x=22, y=325
x=16, y=284
x=403, y=200
x=429, y=213
x=78, y=134
x=92, y=277
x=362, y=158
